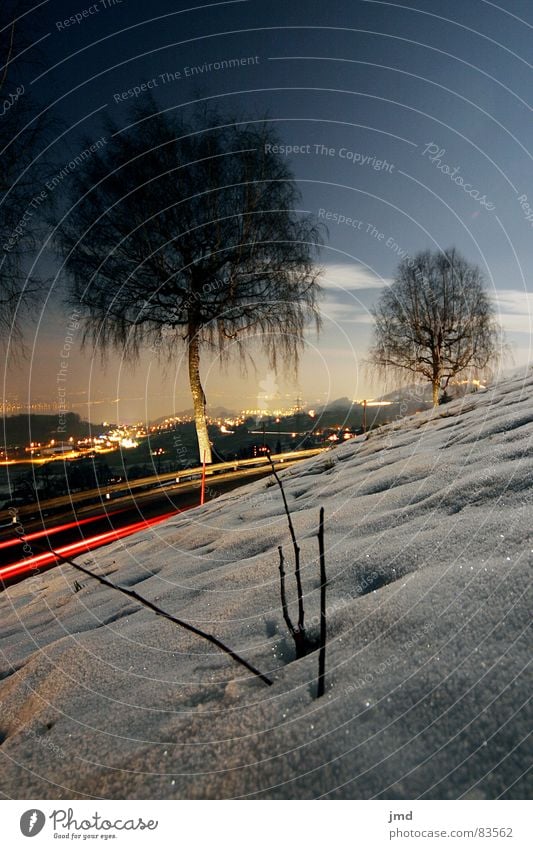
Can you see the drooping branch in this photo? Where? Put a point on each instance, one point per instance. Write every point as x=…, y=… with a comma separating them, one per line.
x=9, y=55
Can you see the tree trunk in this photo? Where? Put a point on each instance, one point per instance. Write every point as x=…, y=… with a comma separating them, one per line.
x=436, y=389
x=198, y=397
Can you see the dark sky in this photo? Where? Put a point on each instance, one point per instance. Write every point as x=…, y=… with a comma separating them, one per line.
x=379, y=97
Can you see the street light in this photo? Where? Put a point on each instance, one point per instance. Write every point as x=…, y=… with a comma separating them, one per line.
x=157, y=453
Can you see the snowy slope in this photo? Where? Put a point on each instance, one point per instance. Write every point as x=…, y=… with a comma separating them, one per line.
x=428, y=549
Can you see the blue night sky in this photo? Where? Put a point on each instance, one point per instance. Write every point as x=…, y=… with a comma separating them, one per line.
x=410, y=128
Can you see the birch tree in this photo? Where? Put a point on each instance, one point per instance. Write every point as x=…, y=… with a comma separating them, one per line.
x=186, y=233
x=435, y=321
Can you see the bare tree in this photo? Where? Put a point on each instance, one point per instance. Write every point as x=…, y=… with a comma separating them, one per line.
x=435, y=320
x=185, y=232
x=24, y=132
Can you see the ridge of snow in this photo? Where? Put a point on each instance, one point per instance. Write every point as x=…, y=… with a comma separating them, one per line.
x=428, y=554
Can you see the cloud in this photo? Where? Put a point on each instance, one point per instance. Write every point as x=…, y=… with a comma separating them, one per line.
x=350, y=289
x=514, y=309
x=351, y=277
x=340, y=314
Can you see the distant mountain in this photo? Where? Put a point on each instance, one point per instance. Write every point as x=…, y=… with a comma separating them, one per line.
x=409, y=392
x=422, y=393
x=339, y=404
x=217, y=412
x=22, y=428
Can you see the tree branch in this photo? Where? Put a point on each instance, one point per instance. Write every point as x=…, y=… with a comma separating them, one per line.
x=295, y=547
x=151, y=606
x=323, y=624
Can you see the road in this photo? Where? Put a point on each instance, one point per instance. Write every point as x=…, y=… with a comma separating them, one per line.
x=74, y=527
x=40, y=558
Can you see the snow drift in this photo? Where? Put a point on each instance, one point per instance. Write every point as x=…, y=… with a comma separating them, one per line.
x=428, y=548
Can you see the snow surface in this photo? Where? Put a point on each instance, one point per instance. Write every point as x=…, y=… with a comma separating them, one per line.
x=428, y=549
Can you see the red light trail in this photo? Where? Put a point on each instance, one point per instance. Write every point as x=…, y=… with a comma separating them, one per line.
x=55, y=530
x=73, y=549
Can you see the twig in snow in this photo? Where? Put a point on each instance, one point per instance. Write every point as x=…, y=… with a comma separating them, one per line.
x=296, y=550
x=284, y=607
x=322, y=643
x=132, y=594
x=301, y=642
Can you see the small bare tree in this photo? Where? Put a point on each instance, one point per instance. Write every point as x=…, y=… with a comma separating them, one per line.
x=435, y=320
x=185, y=232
